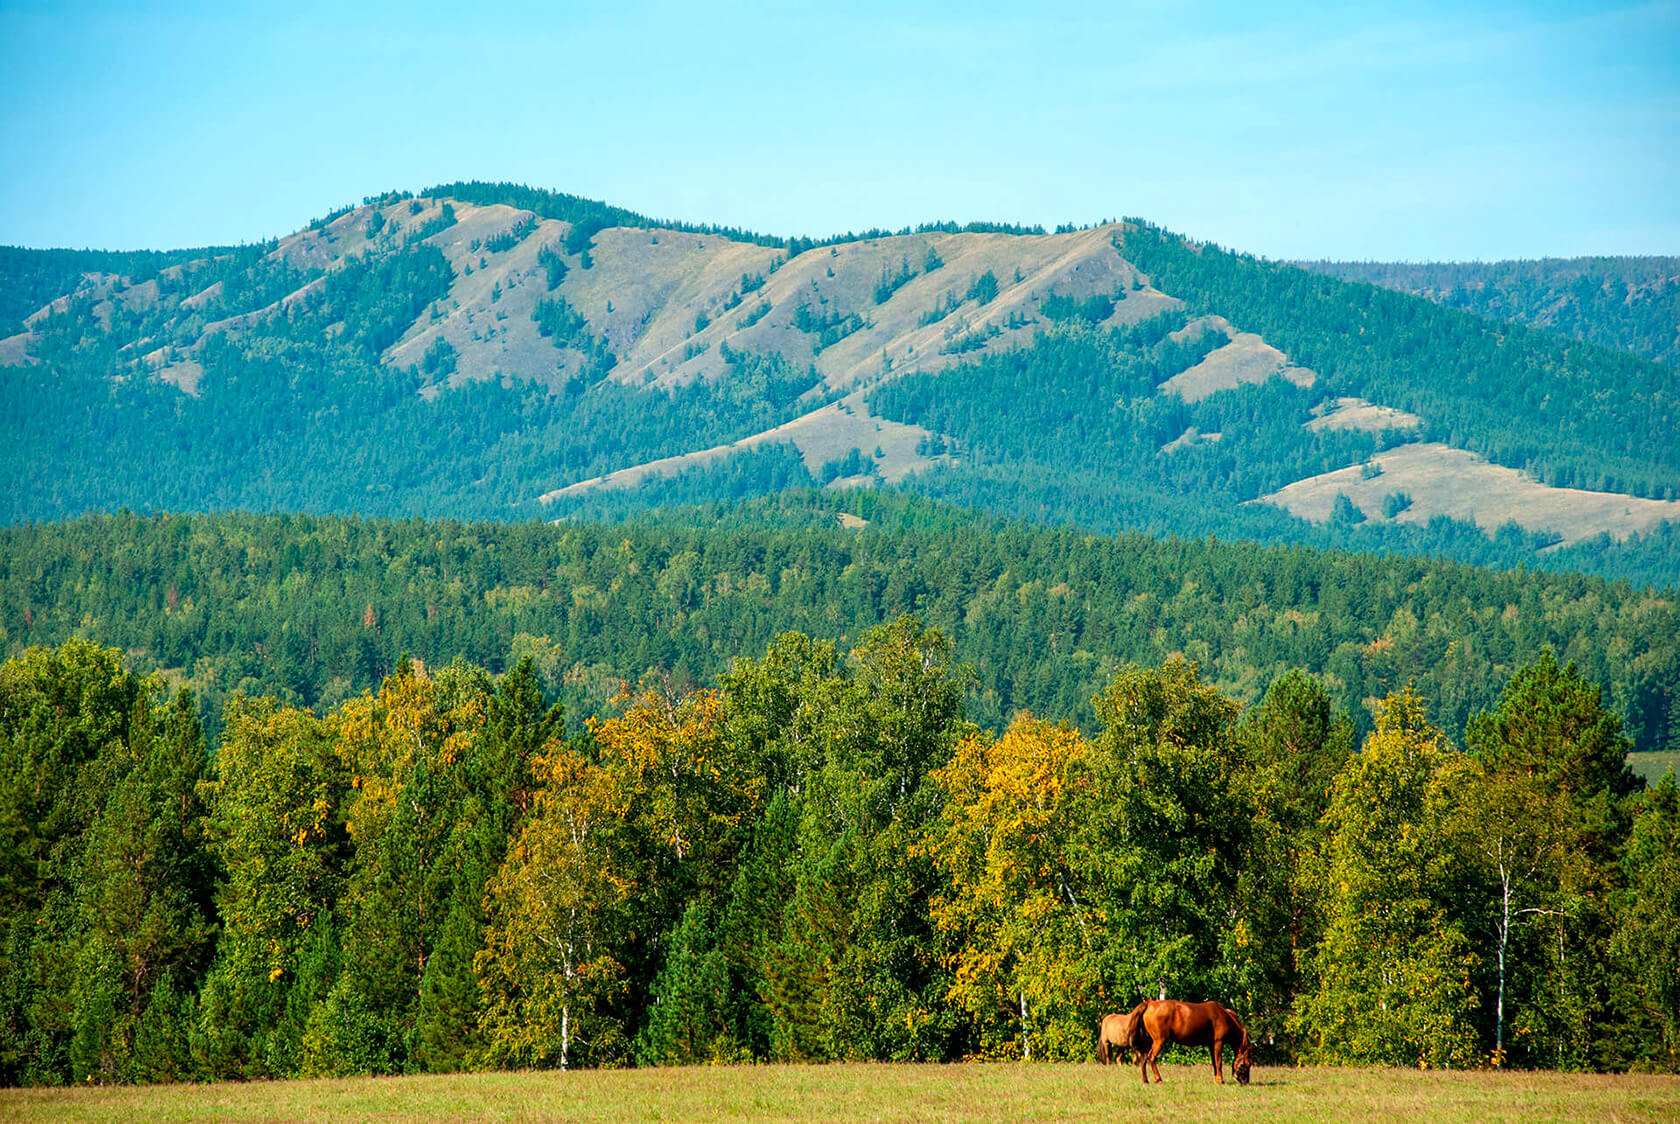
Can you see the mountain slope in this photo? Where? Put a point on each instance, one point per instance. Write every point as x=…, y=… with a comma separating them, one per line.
x=490, y=350
x=1628, y=303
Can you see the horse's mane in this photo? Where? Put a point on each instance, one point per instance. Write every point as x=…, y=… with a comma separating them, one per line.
x=1242, y=1047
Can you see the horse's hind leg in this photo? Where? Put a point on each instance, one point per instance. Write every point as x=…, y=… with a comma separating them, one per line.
x=1151, y=1062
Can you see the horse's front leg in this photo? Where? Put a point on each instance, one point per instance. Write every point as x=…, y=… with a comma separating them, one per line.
x=1218, y=1056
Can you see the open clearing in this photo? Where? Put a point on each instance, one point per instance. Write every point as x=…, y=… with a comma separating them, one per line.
x=1356, y=413
x=823, y=435
x=883, y=1093
x=1445, y=481
x=1246, y=359
x=1652, y=766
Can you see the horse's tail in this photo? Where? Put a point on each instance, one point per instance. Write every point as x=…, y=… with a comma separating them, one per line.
x=1138, y=1035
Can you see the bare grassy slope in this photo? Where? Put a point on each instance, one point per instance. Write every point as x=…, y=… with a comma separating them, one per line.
x=1442, y=480
x=823, y=435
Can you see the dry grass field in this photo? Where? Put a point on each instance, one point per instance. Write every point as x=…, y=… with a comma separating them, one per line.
x=1446, y=481
x=882, y=1093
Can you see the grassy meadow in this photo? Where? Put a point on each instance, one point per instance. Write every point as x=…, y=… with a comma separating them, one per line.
x=881, y=1093
x=1652, y=766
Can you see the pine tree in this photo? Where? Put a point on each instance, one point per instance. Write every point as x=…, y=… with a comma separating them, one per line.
x=1293, y=745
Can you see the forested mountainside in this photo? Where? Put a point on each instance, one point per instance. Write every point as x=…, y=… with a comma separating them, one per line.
x=494, y=351
x=318, y=610
x=31, y=279
x=819, y=859
x=1628, y=303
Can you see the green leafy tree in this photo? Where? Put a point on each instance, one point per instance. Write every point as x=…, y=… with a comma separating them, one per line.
x=897, y=717
x=144, y=885
x=1294, y=744
x=1557, y=808
x=1391, y=980
x=1514, y=829
x=1161, y=829
x=1648, y=932
x=103, y=870
x=494, y=787
x=277, y=828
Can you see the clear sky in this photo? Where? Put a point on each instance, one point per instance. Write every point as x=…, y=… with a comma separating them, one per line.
x=1415, y=131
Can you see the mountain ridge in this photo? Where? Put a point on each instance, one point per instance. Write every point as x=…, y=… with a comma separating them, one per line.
x=712, y=348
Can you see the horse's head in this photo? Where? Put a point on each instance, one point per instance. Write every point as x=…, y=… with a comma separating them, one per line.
x=1243, y=1061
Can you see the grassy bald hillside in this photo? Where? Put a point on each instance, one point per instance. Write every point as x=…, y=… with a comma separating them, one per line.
x=495, y=351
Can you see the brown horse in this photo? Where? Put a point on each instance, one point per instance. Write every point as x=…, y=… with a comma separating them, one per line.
x=1164, y=1021
x=1118, y=1033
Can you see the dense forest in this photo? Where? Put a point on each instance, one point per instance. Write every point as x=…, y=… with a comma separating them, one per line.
x=317, y=610
x=1628, y=303
x=1089, y=434
x=819, y=858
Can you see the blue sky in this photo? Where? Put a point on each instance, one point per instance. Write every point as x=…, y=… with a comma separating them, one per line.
x=1414, y=131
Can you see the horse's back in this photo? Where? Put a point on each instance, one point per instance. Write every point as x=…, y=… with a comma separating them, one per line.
x=1188, y=1024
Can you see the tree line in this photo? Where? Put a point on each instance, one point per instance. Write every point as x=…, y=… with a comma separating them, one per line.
x=316, y=610
x=820, y=858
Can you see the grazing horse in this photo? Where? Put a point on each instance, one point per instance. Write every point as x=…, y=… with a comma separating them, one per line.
x=1190, y=1024
x=1117, y=1033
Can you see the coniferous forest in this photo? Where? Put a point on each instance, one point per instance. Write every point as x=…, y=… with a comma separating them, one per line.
x=1629, y=303
x=317, y=610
